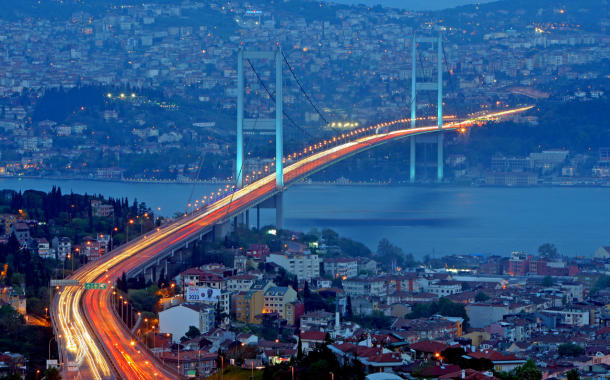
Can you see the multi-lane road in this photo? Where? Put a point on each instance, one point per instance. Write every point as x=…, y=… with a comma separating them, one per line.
x=94, y=341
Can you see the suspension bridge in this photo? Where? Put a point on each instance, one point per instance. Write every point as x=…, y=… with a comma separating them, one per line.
x=93, y=340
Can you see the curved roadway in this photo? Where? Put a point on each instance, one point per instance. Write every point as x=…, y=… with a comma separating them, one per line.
x=93, y=337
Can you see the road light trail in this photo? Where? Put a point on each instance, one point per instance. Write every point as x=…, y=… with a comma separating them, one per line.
x=93, y=333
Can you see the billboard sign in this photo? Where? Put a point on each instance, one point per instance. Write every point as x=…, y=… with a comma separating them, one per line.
x=202, y=294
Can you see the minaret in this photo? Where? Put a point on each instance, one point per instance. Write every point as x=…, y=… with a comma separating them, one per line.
x=337, y=322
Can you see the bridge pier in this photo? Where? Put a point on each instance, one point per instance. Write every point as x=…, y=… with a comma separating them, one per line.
x=440, y=157
x=279, y=211
x=275, y=202
x=248, y=219
x=221, y=230
x=412, y=161
x=427, y=86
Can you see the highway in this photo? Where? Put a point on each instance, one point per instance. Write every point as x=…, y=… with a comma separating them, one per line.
x=94, y=338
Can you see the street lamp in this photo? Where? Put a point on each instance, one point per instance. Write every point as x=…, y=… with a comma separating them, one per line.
x=115, y=229
x=130, y=222
x=147, y=332
x=59, y=336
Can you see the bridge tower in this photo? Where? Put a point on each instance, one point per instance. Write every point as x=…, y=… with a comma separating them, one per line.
x=261, y=125
x=427, y=86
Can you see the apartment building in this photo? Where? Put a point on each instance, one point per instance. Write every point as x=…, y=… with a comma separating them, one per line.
x=7, y=220
x=445, y=288
x=316, y=320
x=341, y=267
x=305, y=265
x=176, y=320
x=240, y=282
x=62, y=246
x=570, y=315
x=277, y=298
x=249, y=304
x=365, y=286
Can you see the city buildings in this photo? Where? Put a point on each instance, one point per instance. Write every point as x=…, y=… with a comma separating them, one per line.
x=304, y=265
x=341, y=267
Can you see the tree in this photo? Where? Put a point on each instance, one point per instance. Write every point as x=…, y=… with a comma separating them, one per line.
x=548, y=250
x=573, y=375
x=162, y=283
x=221, y=360
x=478, y=364
x=219, y=315
x=12, y=376
x=564, y=300
x=299, y=350
x=453, y=355
x=443, y=306
x=569, y=349
x=349, y=312
x=528, y=371
x=427, y=259
x=191, y=334
x=547, y=281
x=306, y=291
x=295, y=283
x=465, y=286
x=481, y=297
x=52, y=373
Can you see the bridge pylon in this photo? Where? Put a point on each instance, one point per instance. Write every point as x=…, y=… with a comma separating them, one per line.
x=426, y=86
x=262, y=124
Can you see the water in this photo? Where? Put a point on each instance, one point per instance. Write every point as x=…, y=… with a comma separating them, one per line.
x=414, y=5
x=448, y=220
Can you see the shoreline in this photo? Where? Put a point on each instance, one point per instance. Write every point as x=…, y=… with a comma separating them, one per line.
x=316, y=183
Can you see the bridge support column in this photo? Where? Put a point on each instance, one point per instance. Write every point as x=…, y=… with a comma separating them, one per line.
x=413, y=107
x=440, y=157
x=221, y=230
x=248, y=219
x=239, y=175
x=258, y=217
x=427, y=86
x=250, y=124
x=279, y=211
x=412, y=161
x=440, y=108
x=279, y=128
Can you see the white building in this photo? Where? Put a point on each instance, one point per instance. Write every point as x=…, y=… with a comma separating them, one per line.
x=177, y=320
x=62, y=246
x=570, y=315
x=341, y=267
x=240, y=283
x=304, y=265
x=445, y=288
